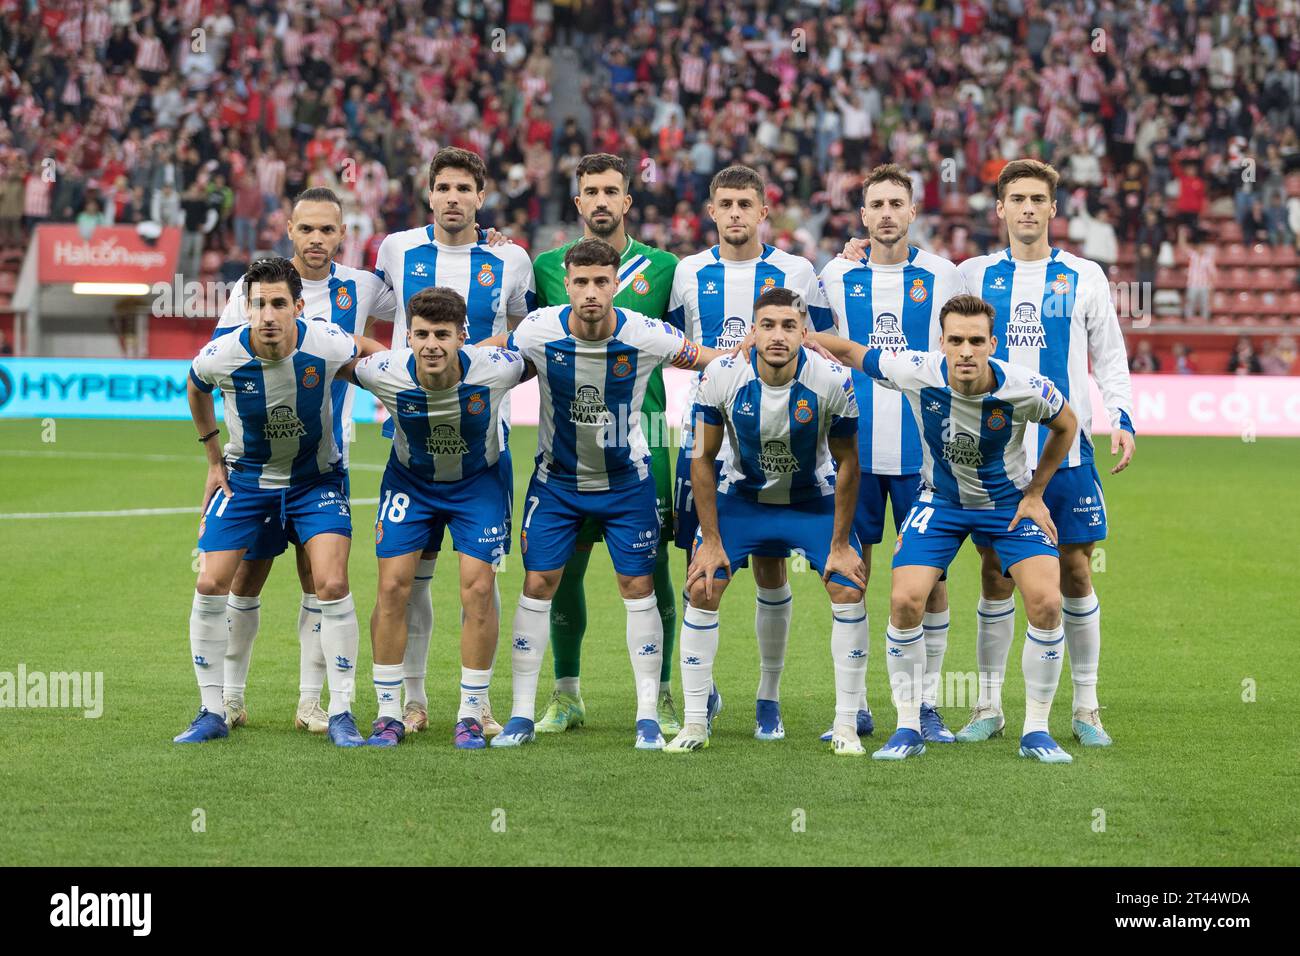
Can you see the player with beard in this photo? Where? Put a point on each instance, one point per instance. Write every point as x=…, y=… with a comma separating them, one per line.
x=713, y=303
x=645, y=279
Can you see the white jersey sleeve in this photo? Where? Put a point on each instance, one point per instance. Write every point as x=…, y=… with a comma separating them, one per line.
x=1107, y=352
x=661, y=341
x=903, y=370
x=234, y=313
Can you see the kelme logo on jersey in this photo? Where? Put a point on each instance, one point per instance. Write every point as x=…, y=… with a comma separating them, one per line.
x=1025, y=330
x=310, y=377
x=282, y=423
x=475, y=405
x=445, y=440
x=342, y=299
x=485, y=275
x=887, y=334
x=776, y=459
x=917, y=293
x=734, y=330
x=622, y=367
x=640, y=284
x=997, y=420
x=802, y=413
x=588, y=407
x=963, y=450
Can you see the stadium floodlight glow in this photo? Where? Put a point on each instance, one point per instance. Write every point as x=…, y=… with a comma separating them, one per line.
x=110, y=288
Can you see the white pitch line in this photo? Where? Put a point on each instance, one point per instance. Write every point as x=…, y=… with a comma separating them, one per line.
x=127, y=513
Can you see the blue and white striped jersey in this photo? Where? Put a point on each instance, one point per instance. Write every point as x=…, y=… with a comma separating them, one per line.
x=889, y=307
x=445, y=435
x=1053, y=315
x=347, y=297
x=590, y=436
x=777, y=434
x=712, y=302
x=279, y=419
x=973, y=447
x=495, y=281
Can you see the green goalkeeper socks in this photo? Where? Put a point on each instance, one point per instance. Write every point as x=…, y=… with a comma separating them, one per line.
x=569, y=616
x=667, y=600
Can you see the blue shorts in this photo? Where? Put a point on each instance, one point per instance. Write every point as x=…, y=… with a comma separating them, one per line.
x=273, y=538
x=1074, y=500
x=934, y=530
x=237, y=522
x=750, y=527
x=553, y=515
x=413, y=511
x=687, y=521
x=869, y=517
x=506, y=475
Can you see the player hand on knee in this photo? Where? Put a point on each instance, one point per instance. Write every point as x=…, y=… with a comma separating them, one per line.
x=709, y=557
x=848, y=563
x=1033, y=508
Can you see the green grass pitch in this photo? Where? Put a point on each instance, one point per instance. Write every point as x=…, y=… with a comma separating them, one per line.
x=1200, y=679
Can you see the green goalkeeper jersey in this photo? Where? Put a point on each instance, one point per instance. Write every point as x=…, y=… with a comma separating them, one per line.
x=645, y=279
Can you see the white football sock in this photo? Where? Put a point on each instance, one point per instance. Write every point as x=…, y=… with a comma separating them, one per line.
x=311, y=659
x=1081, y=618
x=339, y=640
x=698, y=646
x=209, y=635
x=242, y=616
x=531, y=634
x=994, y=629
x=905, y=661
x=772, y=610
x=1041, y=662
x=936, y=645
x=419, y=630
x=850, y=638
x=473, y=692
x=567, y=685
x=388, y=689
x=645, y=646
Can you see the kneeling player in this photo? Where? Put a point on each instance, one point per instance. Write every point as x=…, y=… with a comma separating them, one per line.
x=971, y=411
x=788, y=413
x=281, y=464
x=443, y=397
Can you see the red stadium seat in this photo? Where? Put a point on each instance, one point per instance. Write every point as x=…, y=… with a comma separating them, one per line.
x=1229, y=231
x=1234, y=254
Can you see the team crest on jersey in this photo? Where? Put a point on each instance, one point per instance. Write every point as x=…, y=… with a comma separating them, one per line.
x=203, y=525
x=917, y=293
x=379, y=531
x=310, y=377
x=887, y=333
x=445, y=440
x=282, y=423
x=486, y=276
x=734, y=330
x=1025, y=330
x=776, y=459
x=475, y=404
x=963, y=450
x=342, y=299
x=622, y=367
x=997, y=420
x=768, y=283
x=802, y=413
x=640, y=284
x=588, y=407
x=1062, y=284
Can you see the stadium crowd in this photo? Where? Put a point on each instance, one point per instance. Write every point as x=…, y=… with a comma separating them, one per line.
x=210, y=114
